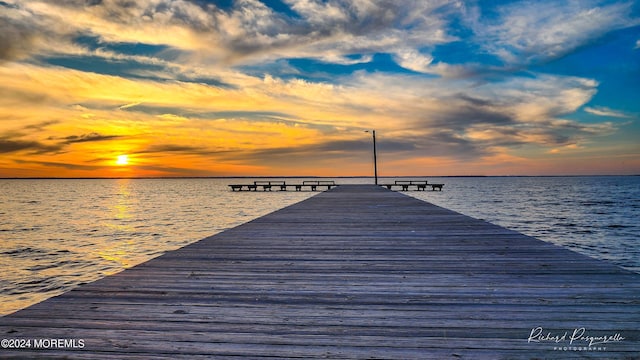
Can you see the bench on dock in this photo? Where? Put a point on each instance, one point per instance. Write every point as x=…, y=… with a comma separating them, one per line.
x=315, y=183
x=419, y=184
x=406, y=183
x=267, y=185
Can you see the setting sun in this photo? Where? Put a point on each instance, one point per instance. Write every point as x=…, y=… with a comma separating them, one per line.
x=122, y=160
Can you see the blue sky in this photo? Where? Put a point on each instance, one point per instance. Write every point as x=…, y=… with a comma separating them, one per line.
x=207, y=88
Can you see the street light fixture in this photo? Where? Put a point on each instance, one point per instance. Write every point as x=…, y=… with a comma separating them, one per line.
x=375, y=156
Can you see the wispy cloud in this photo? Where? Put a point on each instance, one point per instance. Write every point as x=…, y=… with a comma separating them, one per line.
x=181, y=149
x=16, y=33
x=605, y=111
x=34, y=147
x=41, y=125
x=527, y=31
x=73, y=139
x=61, y=165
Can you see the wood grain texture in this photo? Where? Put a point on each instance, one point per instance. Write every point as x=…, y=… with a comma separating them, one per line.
x=355, y=272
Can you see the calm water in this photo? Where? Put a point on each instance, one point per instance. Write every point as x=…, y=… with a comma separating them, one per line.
x=56, y=234
x=594, y=215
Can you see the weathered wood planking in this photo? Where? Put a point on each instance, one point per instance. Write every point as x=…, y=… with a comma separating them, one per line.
x=355, y=272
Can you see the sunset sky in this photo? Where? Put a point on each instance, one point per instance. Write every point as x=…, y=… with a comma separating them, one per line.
x=137, y=88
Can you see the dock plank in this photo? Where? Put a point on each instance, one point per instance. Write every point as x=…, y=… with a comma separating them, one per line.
x=355, y=272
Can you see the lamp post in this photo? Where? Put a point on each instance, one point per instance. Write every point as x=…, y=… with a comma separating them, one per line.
x=375, y=156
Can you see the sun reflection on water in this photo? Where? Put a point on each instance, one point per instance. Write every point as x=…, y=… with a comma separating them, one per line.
x=121, y=207
x=121, y=250
x=121, y=253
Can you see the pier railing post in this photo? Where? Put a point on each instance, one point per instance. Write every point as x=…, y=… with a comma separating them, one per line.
x=375, y=157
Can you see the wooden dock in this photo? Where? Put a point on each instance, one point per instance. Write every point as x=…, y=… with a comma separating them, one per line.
x=355, y=272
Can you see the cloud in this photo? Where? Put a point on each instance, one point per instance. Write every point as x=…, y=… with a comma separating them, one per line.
x=179, y=149
x=324, y=152
x=72, y=139
x=34, y=28
x=200, y=35
x=16, y=40
x=605, y=111
x=171, y=149
x=68, y=166
x=637, y=45
x=173, y=171
x=535, y=98
x=330, y=31
x=35, y=147
x=8, y=145
x=470, y=120
x=246, y=33
x=413, y=60
x=417, y=116
x=459, y=119
x=530, y=31
x=41, y=125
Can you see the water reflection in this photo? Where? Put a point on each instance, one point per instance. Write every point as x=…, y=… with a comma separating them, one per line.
x=122, y=203
x=120, y=251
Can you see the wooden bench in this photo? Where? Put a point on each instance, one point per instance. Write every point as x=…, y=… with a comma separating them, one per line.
x=403, y=183
x=419, y=184
x=315, y=183
x=266, y=185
